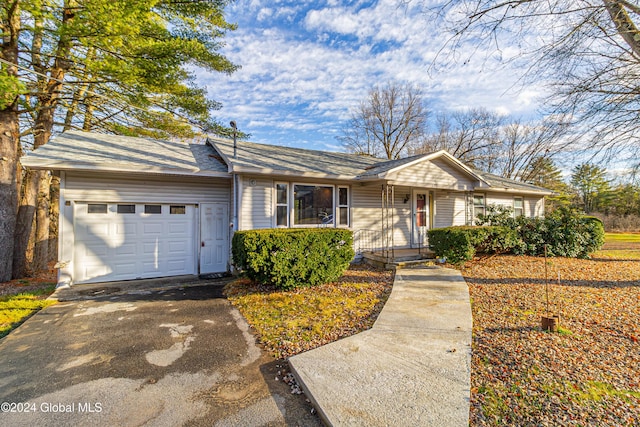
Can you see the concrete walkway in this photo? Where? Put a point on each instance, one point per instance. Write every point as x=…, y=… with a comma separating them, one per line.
x=411, y=369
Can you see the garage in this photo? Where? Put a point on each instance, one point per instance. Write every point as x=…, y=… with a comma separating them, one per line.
x=122, y=241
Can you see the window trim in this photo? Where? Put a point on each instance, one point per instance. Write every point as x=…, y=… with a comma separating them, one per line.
x=276, y=204
x=484, y=205
x=105, y=205
x=338, y=206
x=521, y=198
x=292, y=206
x=118, y=205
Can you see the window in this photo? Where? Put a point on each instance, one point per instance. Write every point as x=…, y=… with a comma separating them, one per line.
x=95, y=208
x=312, y=205
x=478, y=205
x=518, y=207
x=343, y=206
x=126, y=209
x=177, y=209
x=282, y=205
x=152, y=209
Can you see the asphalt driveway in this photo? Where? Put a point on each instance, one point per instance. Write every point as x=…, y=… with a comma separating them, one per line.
x=130, y=356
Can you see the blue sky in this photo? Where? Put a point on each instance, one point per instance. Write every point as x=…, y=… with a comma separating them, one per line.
x=305, y=64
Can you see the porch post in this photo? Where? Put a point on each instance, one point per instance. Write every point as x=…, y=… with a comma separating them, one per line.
x=393, y=208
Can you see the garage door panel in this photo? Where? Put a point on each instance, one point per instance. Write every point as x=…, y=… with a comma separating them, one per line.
x=152, y=228
x=115, y=246
x=126, y=249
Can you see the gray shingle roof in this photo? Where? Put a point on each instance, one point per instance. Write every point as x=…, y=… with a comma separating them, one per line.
x=293, y=160
x=94, y=151
x=499, y=182
x=85, y=150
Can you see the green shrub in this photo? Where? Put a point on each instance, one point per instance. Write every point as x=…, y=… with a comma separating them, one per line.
x=459, y=244
x=291, y=258
x=452, y=243
x=565, y=232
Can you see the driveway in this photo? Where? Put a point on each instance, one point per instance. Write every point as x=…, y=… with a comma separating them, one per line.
x=129, y=356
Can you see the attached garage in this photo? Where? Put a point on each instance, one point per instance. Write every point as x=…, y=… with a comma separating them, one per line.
x=134, y=208
x=124, y=227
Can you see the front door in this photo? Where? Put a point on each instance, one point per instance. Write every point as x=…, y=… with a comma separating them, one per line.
x=420, y=218
x=214, y=237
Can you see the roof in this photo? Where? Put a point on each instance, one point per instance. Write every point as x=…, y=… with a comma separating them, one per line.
x=101, y=152
x=499, y=183
x=95, y=151
x=263, y=158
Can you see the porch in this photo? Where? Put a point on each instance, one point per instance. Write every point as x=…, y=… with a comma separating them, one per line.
x=375, y=248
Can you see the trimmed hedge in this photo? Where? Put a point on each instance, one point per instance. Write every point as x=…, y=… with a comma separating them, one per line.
x=564, y=231
x=460, y=244
x=294, y=257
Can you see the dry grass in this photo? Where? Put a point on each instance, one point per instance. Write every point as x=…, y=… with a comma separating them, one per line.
x=290, y=322
x=586, y=374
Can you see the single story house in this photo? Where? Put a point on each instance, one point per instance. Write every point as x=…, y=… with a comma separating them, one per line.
x=139, y=208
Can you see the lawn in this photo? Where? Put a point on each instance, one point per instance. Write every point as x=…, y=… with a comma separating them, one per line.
x=620, y=246
x=587, y=374
x=290, y=322
x=21, y=298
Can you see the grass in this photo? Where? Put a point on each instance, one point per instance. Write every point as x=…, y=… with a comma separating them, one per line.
x=289, y=322
x=620, y=246
x=15, y=309
x=622, y=237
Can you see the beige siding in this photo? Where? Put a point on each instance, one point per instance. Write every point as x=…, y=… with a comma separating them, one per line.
x=152, y=189
x=500, y=199
x=534, y=206
x=449, y=209
x=436, y=173
x=256, y=203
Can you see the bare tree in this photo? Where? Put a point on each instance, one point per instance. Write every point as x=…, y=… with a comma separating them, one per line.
x=472, y=136
x=387, y=122
x=587, y=50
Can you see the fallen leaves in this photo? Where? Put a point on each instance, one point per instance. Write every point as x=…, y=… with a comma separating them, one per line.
x=586, y=374
x=290, y=322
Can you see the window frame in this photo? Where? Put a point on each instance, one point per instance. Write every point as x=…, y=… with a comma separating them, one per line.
x=483, y=206
x=292, y=206
x=339, y=206
x=277, y=205
x=95, y=205
x=521, y=198
x=125, y=205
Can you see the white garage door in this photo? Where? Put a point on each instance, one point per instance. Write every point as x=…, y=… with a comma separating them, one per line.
x=122, y=241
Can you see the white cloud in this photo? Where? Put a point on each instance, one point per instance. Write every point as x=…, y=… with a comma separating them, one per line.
x=302, y=70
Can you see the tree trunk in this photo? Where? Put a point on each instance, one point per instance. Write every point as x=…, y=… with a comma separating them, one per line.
x=24, y=224
x=9, y=141
x=8, y=192
x=54, y=218
x=41, y=252
x=36, y=189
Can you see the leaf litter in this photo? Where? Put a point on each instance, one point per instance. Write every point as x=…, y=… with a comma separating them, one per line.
x=588, y=373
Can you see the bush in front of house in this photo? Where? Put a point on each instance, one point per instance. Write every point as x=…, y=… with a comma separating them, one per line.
x=291, y=258
x=565, y=232
x=460, y=244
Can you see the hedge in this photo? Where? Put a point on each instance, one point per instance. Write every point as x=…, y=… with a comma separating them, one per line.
x=291, y=258
x=565, y=232
x=460, y=244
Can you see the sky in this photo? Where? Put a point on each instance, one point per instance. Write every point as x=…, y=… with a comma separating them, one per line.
x=306, y=64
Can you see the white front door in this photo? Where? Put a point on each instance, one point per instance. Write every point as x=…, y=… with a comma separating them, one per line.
x=214, y=237
x=420, y=208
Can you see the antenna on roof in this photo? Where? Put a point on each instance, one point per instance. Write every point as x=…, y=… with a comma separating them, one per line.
x=235, y=133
